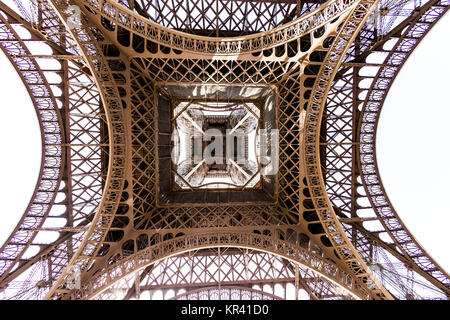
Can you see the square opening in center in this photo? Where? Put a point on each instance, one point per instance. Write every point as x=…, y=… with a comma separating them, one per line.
x=215, y=146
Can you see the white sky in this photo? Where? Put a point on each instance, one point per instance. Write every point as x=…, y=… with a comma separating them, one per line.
x=412, y=145
x=20, y=142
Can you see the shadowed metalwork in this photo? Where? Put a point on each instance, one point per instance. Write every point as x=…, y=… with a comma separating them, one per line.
x=134, y=225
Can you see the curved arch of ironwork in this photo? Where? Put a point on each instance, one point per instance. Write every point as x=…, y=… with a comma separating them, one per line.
x=52, y=137
x=104, y=79
x=291, y=252
x=407, y=41
x=84, y=144
x=344, y=249
x=133, y=22
x=203, y=268
x=262, y=294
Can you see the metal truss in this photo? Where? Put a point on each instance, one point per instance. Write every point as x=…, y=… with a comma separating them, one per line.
x=226, y=293
x=221, y=268
x=53, y=157
x=406, y=38
x=349, y=141
x=77, y=114
x=134, y=262
x=105, y=144
x=219, y=18
x=118, y=18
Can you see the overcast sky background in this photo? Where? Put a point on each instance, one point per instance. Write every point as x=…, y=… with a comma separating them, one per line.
x=412, y=144
x=20, y=141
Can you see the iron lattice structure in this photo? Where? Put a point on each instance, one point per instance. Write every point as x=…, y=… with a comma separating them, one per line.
x=321, y=227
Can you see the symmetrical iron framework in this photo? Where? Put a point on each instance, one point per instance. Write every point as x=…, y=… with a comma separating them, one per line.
x=113, y=218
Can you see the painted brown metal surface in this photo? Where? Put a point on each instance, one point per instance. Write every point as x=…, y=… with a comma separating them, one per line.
x=116, y=66
x=406, y=42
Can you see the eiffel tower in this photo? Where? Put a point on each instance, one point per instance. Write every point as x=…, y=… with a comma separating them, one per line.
x=115, y=216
